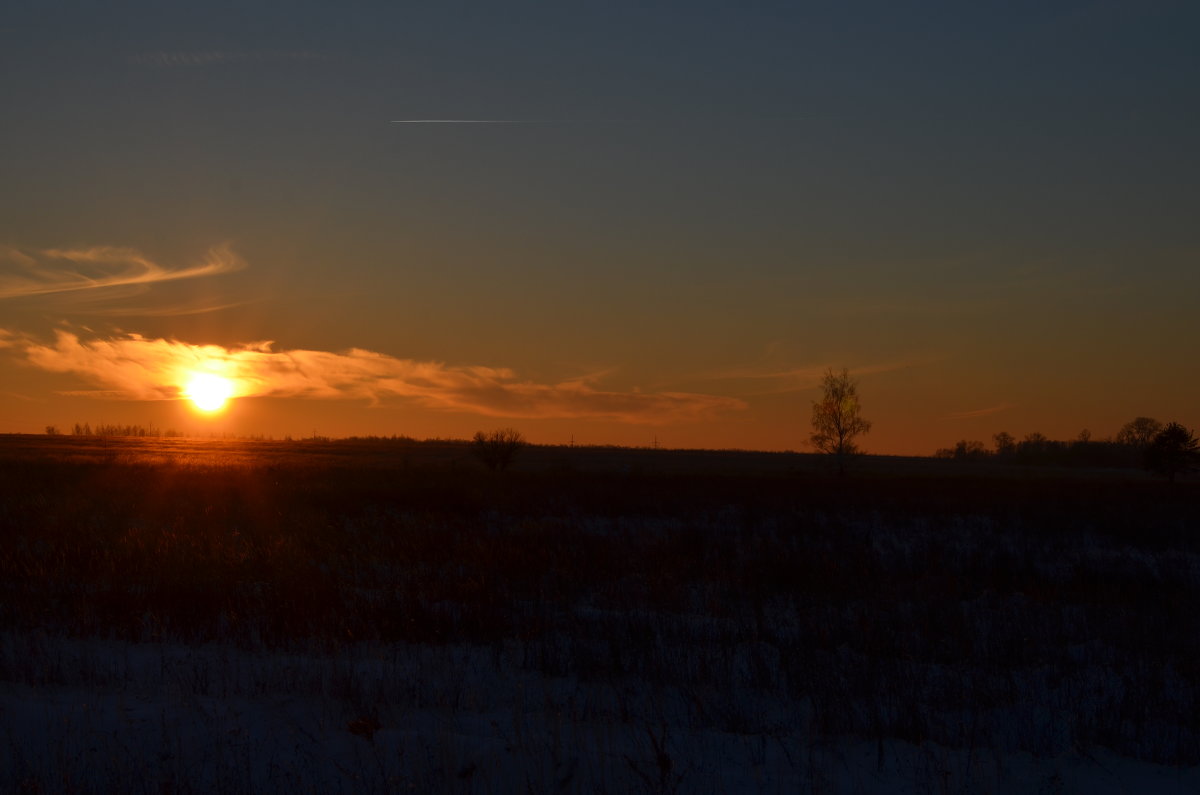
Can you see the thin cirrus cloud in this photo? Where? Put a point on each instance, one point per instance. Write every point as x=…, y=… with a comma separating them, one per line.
x=134, y=367
x=775, y=381
x=179, y=310
x=217, y=57
x=59, y=271
x=984, y=412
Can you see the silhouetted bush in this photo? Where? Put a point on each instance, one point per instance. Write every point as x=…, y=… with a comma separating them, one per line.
x=964, y=451
x=497, y=449
x=1173, y=451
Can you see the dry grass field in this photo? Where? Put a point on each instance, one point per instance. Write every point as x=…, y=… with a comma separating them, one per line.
x=381, y=615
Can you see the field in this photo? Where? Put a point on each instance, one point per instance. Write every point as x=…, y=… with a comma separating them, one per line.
x=384, y=616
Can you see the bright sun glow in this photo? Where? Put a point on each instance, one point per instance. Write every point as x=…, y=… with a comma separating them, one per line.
x=209, y=392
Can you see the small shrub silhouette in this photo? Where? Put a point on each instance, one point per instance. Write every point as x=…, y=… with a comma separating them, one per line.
x=1173, y=451
x=497, y=449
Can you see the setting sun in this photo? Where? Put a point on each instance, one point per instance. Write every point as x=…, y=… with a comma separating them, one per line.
x=209, y=392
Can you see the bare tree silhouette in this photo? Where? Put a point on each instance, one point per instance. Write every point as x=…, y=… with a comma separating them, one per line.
x=1006, y=443
x=1173, y=451
x=497, y=449
x=835, y=418
x=1139, y=432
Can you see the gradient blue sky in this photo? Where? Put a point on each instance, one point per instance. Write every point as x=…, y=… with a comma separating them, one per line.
x=987, y=211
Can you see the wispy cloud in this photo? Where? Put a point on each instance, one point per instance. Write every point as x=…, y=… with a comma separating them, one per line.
x=167, y=58
x=133, y=367
x=19, y=396
x=774, y=380
x=966, y=415
x=180, y=310
x=54, y=271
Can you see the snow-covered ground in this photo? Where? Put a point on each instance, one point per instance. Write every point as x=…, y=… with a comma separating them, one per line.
x=108, y=716
x=317, y=626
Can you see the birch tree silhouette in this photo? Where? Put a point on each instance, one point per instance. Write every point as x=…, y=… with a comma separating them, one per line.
x=836, y=418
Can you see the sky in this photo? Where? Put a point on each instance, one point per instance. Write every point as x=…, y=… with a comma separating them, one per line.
x=663, y=223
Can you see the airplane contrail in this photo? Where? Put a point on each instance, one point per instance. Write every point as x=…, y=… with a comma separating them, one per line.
x=480, y=121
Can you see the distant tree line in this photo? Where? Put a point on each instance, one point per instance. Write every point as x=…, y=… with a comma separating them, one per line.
x=1142, y=442
x=86, y=429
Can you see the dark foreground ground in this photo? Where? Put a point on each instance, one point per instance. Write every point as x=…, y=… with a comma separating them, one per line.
x=688, y=621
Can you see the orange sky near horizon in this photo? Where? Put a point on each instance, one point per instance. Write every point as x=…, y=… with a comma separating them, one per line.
x=627, y=224
x=77, y=377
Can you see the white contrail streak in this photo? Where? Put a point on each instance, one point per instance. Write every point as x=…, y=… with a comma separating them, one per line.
x=479, y=121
